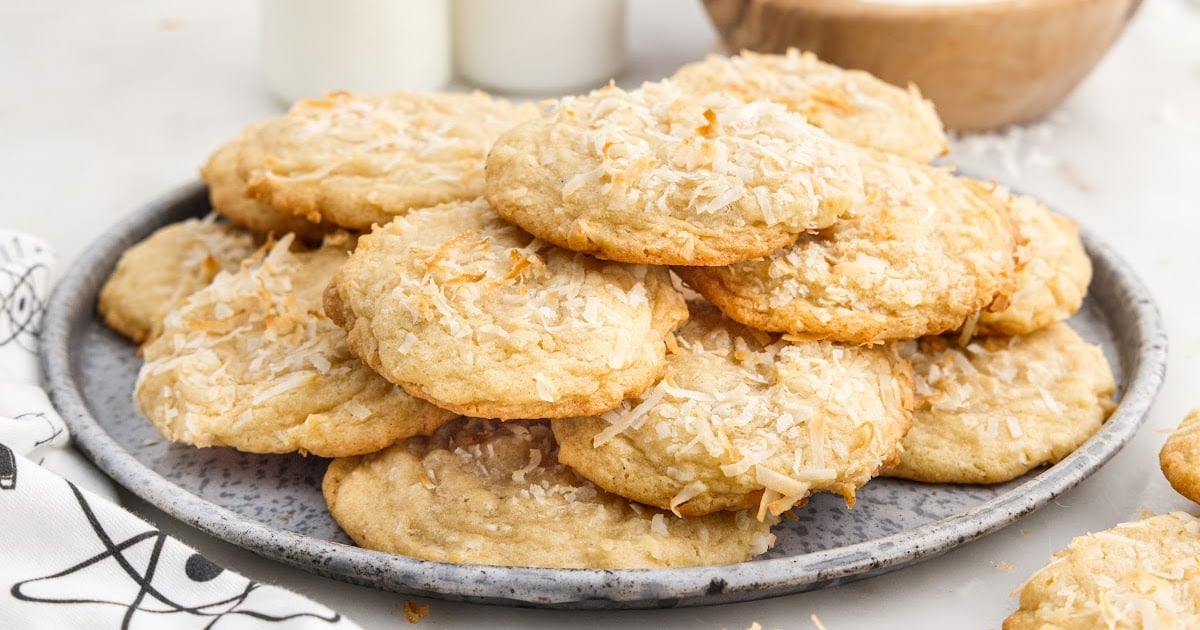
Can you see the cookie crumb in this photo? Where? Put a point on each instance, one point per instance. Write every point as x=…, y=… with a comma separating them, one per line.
x=414, y=612
x=1004, y=566
x=171, y=24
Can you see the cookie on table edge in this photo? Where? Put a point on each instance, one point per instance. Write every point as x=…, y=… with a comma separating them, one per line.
x=1180, y=457
x=850, y=105
x=1142, y=574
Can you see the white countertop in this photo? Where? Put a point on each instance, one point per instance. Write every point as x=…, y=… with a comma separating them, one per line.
x=109, y=104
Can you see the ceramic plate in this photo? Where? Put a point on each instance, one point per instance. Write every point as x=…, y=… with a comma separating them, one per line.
x=272, y=505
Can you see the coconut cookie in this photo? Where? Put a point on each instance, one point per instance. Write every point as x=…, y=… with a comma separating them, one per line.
x=1052, y=275
x=923, y=253
x=1002, y=406
x=155, y=275
x=250, y=362
x=1180, y=457
x=743, y=419
x=359, y=160
x=1142, y=574
x=227, y=194
x=486, y=492
x=466, y=310
x=851, y=105
x=657, y=175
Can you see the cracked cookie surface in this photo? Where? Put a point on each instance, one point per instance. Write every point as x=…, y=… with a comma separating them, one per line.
x=357, y=160
x=1142, y=574
x=658, y=176
x=156, y=274
x=742, y=419
x=851, y=105
x=227, y=195
x=1052, y=273
x=487, y=492
x=1180, y=457
x=924, y=252
x=1002, y=406
x=250, y=362
x=470, y=312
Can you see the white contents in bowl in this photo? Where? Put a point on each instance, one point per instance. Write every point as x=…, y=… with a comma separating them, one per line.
x=933, y=2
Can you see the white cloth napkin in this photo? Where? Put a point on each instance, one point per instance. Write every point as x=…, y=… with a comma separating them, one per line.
x=69, y=556
x=28, y=422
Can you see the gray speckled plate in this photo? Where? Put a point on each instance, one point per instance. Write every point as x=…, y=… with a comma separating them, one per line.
x=272, y=505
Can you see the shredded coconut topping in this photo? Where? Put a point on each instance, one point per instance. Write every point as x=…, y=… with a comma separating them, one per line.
x=521, y=506
x=848, y=104
x=1142, y=574
x=455, y=289
x=250, y=361
x=881, y=273
x=706, y=155
x=666, y=175
x=736, y=414
x=1002, y=406
x=390, y=152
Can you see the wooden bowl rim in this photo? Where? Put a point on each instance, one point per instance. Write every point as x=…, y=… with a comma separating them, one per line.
x=882, y=8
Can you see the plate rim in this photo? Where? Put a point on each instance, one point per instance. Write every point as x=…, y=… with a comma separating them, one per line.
x=1143, y=363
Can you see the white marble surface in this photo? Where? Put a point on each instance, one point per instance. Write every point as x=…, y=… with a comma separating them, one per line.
x=109, y=104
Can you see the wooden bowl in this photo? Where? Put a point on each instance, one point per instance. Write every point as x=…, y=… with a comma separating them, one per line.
x=983, y=64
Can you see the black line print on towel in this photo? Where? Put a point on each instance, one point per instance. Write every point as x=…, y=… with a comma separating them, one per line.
x=159, y=593
x=52, y=430
x=20, y=306
x=8, y=469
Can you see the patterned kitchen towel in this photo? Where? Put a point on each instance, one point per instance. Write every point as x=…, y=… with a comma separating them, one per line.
x=74, y=560
x=70, y=558
x=26, y=265
x=28, y=422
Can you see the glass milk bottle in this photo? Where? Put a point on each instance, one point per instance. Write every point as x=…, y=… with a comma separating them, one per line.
x=364, y=46
x=539, y=46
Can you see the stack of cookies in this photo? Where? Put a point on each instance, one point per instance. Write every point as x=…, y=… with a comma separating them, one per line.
x=666, y=315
